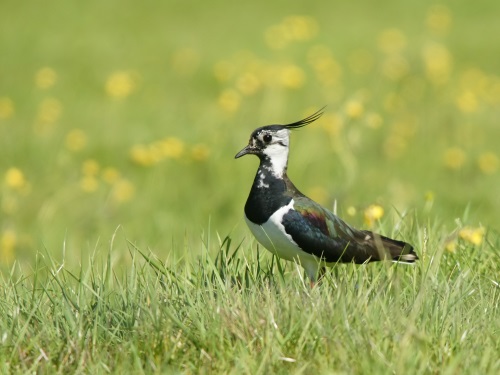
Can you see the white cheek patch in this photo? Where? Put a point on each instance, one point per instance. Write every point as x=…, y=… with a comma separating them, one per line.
x=278, y=155
x=277, y=152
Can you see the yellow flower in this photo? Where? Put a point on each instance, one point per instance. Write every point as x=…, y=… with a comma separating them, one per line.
x=332, y=123
x=223, y=71
x=76, y=140
x=354, y=109
x=429, y=200
x=391, y=41
x=474, y=236
x=393, y=101
x=14, y=178
x=120, y=84
x=200, y=152
x=300, y=28
x=438, y=63
x=451, y=246
x=317, y=54
x=488, y=162
x=429, y=197
x=110, y=175
x=90, y=167
x=141, y=155
x=123, y=191
x=45, y=78
x=373, y=213
x=292, y=28
x=467, y=102
x=8, y=243
x=474, y=80
x=171, y=147
x=395, y=145
x=6, y=107
x=406, y=127
x=229, y=100
x=395, y=67
x=89, y=183
x=374, y=120
x=276, y=37
x=454, y=158
x=291, y=76
x=248, y=83
x=49, y=111
x=438, y=19
x=351, y=211
x=328, y=70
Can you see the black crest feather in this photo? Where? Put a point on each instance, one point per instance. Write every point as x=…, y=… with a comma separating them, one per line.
x=298, y=124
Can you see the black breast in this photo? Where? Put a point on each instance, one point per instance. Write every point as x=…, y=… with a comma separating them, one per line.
x=266, y=197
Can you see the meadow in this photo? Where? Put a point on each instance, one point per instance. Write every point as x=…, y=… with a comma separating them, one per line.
x=122, y=241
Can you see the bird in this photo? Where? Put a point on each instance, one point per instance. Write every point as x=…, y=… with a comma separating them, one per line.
x=294, y=227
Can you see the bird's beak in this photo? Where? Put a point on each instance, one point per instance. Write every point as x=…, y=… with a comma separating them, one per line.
x=247, y=150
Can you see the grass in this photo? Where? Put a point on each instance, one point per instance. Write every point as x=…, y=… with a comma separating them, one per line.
x=124, y=115
x=241, y=311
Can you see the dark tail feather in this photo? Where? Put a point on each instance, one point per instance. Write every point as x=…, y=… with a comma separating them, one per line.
x=398, y=251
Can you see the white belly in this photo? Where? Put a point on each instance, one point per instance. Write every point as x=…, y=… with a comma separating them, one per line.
x=273, y=237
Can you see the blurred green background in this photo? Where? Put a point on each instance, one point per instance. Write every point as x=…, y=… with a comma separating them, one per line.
x=129, y=114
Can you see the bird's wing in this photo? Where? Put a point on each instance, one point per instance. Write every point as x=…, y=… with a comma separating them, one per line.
x=319, y=232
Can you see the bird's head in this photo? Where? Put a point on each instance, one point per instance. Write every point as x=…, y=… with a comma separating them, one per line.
x=272, y=141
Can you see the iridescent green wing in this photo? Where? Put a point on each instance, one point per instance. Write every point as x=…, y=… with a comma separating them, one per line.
x=319, y=232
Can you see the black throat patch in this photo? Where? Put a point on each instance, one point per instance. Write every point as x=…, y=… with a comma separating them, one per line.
x=267, y=195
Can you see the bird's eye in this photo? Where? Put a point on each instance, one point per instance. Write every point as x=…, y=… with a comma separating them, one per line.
x=267, y=138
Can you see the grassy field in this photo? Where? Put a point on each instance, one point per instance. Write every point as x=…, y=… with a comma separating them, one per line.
x=122, y=244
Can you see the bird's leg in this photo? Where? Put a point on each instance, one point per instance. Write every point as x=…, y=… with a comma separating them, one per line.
x=321, y=274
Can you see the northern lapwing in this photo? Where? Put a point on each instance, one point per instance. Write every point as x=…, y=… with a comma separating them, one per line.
x=293, y=226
